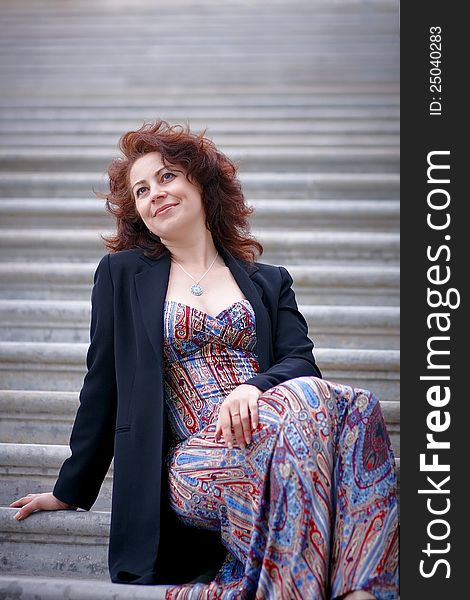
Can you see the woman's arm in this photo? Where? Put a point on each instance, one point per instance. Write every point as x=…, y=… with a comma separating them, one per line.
x=292, y=358
x=292, y=347
x=92, y=438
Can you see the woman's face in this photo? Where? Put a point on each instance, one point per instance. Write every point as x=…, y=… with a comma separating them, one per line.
x=170, y=205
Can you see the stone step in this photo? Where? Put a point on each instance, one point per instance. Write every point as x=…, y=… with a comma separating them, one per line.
x=260, y=64
x=321, y=284
x=49, y=54
x=104, y=74
x=322, y=144
x=48, y=86
x=31, y=468
x=232, y=43
x=45, y=417
x=232, y=47
x=257, y=185
x=71, y=123
x=235, y=30
x=64, y=543
x=34, y=80
x=297, y=69
x=63, y=587
x=104, y=134
x=61, y=366
x=326, y=100
x=313, y=95
x=345, y=284
x=142, y=106
x=329, y=326
x=320, y=247
x=356, y=327
x=122, y=95
x=335, y=15
x=130, y=105
x=378, y=215
x=256, y=158
x=242, y=132
x=37, y=417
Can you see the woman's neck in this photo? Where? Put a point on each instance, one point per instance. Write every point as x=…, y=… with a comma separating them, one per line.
x=197, y=256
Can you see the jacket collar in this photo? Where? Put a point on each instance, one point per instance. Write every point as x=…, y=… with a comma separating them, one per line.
x=151, y=287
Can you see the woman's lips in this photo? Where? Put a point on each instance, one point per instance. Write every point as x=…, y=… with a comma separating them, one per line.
x=164, y=209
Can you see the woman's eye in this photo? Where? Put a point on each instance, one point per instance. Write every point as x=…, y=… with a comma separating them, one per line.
x=168, y=176
x=140, y=191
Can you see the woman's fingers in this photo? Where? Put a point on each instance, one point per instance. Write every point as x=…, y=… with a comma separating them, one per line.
x=27, y=505
x=238, y=416
x=246, y=424
x=253, y=405
x=21, y=501
x=238, y=429
x=224, y=426
x=27, y=509
x=34, y=502
x=234, y=424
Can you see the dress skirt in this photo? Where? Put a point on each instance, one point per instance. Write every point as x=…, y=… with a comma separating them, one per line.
x=308, y=510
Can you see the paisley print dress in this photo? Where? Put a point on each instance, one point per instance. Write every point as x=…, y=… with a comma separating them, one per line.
x=308, y=510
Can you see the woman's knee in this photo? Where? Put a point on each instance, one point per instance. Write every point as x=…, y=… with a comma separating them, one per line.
x=307, y=401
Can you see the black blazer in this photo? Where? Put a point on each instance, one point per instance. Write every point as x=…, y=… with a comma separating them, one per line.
x=122, y=408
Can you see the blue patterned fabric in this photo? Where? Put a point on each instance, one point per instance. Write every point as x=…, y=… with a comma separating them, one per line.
x=309, y=508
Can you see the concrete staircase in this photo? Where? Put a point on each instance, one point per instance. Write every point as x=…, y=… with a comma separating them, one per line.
x=303, y=94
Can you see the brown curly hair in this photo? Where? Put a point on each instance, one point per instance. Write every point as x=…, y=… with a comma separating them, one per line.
x=222, y=197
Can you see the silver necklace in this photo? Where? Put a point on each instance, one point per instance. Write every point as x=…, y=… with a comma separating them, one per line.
x=196, y=289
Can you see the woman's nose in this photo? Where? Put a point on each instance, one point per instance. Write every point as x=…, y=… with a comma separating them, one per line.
x=157, y=194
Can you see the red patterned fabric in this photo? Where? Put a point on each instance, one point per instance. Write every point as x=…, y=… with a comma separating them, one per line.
x=309, y=508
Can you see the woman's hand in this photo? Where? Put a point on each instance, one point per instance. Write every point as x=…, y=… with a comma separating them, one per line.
x=239, y=411
x=34, y=502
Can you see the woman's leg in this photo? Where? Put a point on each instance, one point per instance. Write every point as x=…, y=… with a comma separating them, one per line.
x=298, y=510
x=328, y=523
x=365, y=535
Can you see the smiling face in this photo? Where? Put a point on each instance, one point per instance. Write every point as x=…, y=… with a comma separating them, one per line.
x=170, y=205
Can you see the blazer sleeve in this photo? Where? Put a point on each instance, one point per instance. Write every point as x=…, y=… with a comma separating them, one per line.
x=293, y=349
x=92, y=437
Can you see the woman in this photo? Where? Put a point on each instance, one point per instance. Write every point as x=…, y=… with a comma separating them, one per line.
x=232, y=457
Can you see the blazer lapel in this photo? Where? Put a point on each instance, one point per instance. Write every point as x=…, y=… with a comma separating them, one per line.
x=151, y=287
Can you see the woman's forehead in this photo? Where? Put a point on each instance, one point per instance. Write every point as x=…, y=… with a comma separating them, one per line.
x=148, y=163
